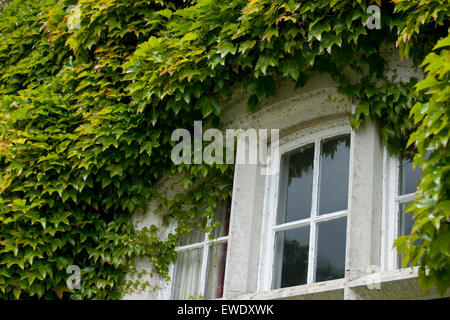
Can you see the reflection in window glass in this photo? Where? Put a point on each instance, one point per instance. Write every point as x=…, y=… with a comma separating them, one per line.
x=195, y=236
x=405, y=224
x=187, y=274
x=333, y=176
x=406, y=220
x=299, y=185
x=197, y=278
x=291, y=250
x=222, y=215
x=331, y=249
x=216, y=271
x=409, y=177
x=324, y=167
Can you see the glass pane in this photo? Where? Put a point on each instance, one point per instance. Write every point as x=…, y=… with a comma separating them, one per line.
x=406, y=220
x=187, y=275
x=291, y=257
x=331, y=249
x=195, y=236
x=299, y=168
x=222, y=215
x=409, y=178
x=333, y=176
x=405, y=224
x=216, y=271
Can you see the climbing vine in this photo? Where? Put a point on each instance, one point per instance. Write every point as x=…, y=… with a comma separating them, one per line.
x=88, y=107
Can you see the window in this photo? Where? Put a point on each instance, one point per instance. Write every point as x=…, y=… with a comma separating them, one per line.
x=400, y=190
x=200, y=268
x=308, y=214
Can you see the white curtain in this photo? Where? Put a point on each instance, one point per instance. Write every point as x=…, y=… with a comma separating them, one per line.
x=187, y=275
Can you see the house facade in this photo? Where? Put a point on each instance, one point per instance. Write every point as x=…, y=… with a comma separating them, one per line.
x=322, y=226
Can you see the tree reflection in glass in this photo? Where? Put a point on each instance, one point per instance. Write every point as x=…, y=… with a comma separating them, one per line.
x=333, y=176
x=330, y=262
x=291, y=249
x=299, y=185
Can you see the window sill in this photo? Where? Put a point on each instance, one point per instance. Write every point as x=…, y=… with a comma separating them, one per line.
x=391, y=285
x=327, y=290
x=398, y=284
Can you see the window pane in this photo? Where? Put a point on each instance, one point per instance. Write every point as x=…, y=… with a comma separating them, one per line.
x=331, y=249
x=216, y=271
x=409, y=178
x=222, y=215
x=299, y=168
x=333, y=176
x=291, y=257
x=405, y=224
x=187, y=274
x=406, y=220
x=195, y=236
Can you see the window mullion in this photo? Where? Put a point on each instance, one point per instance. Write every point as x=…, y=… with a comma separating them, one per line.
x=219, y=240
x=204, y=268
x=384, y=259
x=312, y=232
x=331, y=216
x=187, y=247
x=393, y=211
x=292, y=225
x=404, y=198
x=397, y=178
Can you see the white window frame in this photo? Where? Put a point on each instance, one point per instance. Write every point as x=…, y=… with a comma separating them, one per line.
x=206, y=245
x=390, y=213
x=287, y=144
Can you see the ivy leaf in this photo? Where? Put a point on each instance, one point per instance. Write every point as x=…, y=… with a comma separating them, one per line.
x=225, y=48
x=252, y=102
x=217, y=108
x=108, y=141
x=165, y=13
x=363, y=108
x=189, y=36
x=17, y=293
x=316, y=30
x=291, y=67
x=115, y=170
x=246, y=45
x=264, y=62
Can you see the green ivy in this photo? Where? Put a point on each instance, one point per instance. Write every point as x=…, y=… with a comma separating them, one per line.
x=87, y=116
x=429, y=241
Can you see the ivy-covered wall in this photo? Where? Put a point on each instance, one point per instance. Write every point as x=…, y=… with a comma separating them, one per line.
x=89, y=102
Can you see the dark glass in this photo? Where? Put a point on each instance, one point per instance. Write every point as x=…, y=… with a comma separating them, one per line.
x=405, y=224
x=333, y=175
x=406, y=220
x=291, y=257
x=409, y=177
x=222, y=216
x=299, y=166
x=331, y=249
x=216, y=271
